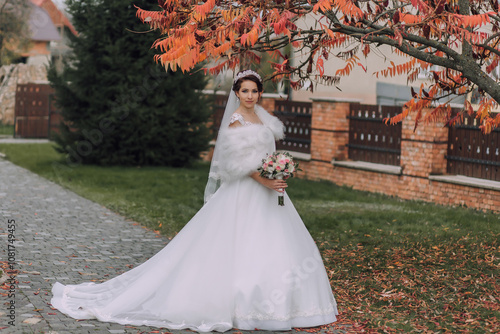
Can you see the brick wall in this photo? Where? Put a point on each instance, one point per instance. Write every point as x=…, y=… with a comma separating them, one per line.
x=329, y=130
x=422, y=155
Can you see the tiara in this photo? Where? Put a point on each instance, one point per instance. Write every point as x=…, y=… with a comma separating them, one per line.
x=247, y=73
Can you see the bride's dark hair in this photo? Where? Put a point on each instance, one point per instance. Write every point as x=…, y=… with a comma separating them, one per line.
x=237, y=84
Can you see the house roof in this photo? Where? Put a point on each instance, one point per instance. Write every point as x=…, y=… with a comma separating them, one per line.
x=57, y=16
x=42, y=27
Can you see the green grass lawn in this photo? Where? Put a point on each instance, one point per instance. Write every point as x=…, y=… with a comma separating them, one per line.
x=6, y=129
x=395, y=266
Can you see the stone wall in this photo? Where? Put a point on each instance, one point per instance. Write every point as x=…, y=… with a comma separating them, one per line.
x=10, y=77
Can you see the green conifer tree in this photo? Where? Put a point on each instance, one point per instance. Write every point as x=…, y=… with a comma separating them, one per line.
x=119, y=106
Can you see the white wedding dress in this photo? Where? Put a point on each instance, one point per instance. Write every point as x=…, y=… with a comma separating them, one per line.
x=241, y=262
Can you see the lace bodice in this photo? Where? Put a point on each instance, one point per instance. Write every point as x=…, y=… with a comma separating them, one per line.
x=238, y=117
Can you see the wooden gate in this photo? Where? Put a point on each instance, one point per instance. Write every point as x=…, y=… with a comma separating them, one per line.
x=32, y=111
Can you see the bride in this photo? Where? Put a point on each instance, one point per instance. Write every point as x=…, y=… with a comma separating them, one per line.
x=241, y=262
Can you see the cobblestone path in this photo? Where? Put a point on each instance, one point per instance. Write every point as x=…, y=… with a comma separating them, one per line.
x=64, y=237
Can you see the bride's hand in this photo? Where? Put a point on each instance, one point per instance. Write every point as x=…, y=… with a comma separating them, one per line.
x=273, y=184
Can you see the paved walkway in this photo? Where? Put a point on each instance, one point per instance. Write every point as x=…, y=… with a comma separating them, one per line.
x=12, y=140
x=64, y=237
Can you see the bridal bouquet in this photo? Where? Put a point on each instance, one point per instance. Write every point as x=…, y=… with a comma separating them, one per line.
x=279, y=165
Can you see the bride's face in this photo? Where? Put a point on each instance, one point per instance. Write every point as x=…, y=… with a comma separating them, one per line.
x=248, y=94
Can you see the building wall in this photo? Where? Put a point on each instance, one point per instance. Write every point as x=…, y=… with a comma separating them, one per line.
x=10, y=77
x=359, y=84
x=39, y=53
x=50, y=28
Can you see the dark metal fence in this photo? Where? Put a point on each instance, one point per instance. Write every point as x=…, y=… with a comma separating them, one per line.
x=370, y=139
x=297, y=119
x=472, y=153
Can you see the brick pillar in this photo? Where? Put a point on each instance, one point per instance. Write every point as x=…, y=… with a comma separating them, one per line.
x=267, y=101
x=329, y=129
x=423, y=151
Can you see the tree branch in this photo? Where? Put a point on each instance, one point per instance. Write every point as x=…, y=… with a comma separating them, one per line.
x=380, y=30
x=464, y=9
x=489, y=39
x=489, y=48
x=3, y=6
x=414, y=52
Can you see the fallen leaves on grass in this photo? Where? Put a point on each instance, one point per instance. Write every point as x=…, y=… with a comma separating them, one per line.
x=418, y=286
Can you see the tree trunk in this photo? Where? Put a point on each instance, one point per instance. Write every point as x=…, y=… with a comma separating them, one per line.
x=472, y=72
